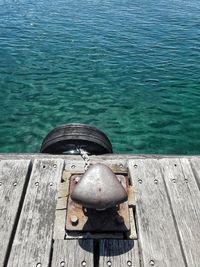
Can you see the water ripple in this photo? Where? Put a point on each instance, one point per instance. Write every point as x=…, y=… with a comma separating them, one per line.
x=130, y=68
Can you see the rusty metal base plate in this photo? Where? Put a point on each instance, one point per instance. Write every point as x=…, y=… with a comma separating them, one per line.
x=89, y=220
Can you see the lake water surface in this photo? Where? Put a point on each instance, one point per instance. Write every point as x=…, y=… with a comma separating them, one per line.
x=128, y=67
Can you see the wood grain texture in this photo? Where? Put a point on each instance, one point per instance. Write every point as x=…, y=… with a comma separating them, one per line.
x=72, y=253
x=33, y=239
x=13, y=181
x=158, y=239
x=195, y=164
x=118, y=253
x=185, y=201
x=61, y=207
x=112, y=157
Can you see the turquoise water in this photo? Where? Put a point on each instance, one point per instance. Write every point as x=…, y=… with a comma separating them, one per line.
x=131, y=68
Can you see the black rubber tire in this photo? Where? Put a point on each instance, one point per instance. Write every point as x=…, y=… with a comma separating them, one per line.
x=66, y=138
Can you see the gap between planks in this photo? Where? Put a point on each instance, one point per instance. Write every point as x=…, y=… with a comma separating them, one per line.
x=14, y=177
x=33, y=240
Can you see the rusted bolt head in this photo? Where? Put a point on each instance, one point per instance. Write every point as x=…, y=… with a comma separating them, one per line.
x=74, y=220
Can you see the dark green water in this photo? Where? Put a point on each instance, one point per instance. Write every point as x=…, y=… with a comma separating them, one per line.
x=131, y=68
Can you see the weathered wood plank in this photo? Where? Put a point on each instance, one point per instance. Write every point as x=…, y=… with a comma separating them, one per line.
x=112, y=157
x=72, y=253
x=13, y=181
x=117, y=253
x=33, y=239
x=185, y=201
x=77, y=166
x=158, y=239
x=61, y=211
x=195, y=163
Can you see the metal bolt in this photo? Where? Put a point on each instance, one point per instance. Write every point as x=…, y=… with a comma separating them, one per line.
x=135, y=166
x=155, y=181
x=129, y=263
x=140, y=181
x=152, y=262
x=109, y=263
x=62, y=263
x=83, y=263
x=74, y=220
x=121, y=166
x=39, y=264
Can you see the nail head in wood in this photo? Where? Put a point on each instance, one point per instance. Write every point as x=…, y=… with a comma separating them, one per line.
x=74, y=220
x=152, y=262
x=83, y=263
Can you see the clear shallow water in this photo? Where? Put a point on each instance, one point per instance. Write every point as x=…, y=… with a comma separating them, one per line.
x=131, y=68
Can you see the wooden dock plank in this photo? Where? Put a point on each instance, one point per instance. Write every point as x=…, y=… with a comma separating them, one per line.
x=33, y=239
x=195, y=163
x=158, y=239
x=185, y=201
x=117, y=253
x=13, y=174
x=73, y=253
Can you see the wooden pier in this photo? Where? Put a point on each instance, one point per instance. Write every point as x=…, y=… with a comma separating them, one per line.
x=166, y=208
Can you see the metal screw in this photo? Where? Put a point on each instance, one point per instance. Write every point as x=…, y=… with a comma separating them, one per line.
x=129, y=263
x=51, y=184
x=54, y=165
x=62, y=263
x=83, y=263
x=155, y=181
x=36, y=183
x=186, y=181
x=15, y=183
x=135, y=166
x=140, y=181
x=73, y=166
x=0, y=183
x=173, y=180
x=43, y=166
x=152, y=263
x=121, y=166
x=74, y=220
x=109, y=263
x=39, y=264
